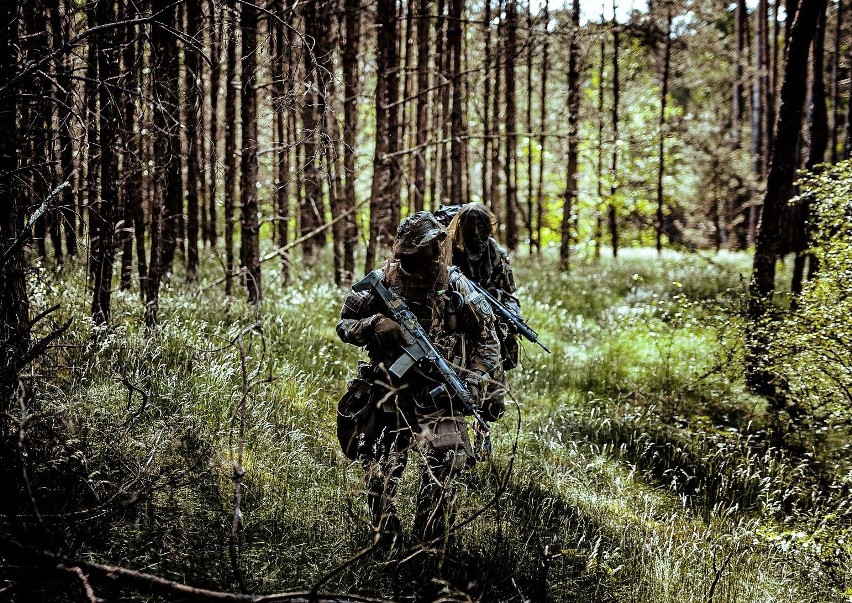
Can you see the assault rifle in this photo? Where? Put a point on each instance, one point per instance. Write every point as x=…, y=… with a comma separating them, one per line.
x=512, y=318
x=417, y=348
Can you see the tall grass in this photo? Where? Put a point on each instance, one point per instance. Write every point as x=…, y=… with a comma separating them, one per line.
x=640, y=472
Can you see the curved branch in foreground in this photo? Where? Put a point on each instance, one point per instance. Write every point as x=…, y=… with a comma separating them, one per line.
x=148, y=583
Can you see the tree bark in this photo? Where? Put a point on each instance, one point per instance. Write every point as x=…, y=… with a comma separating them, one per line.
x=192, y=107
x=14, y=302
x=528, y=218
x=661, y=156
x=542, y=140
x=281, y=103
x=598, y=233
x=216, y=29
x=423, y=96
x=486, y=107
x=511, y=161
x=568, y=206
x=249, y=225
x=613, y=167
x=384, y=196
x=59, y=27
x=230, y=149
x=457, y=133
x=352, y=8
x=835, y=84
x=779, y=187
x=494, y=192
x=104, y=219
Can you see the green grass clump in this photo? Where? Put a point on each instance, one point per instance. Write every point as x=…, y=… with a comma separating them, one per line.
x=641, y=470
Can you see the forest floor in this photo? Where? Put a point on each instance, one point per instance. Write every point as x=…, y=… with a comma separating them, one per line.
x=633, y=465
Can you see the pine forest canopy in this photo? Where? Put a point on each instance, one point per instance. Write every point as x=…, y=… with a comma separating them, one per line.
x=325, y=122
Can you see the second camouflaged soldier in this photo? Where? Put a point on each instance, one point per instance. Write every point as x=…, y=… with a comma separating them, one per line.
x=396, y=415
x=480, y=258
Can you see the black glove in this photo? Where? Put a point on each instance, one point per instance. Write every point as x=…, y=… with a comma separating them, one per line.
x=387, y=332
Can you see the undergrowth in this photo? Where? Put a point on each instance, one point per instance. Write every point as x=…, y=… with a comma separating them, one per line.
x=641, y=470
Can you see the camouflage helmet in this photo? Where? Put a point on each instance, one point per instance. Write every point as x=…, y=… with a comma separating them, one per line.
x=417, y=231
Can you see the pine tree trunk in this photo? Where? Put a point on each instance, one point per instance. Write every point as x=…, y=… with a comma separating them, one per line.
x=281, y=53
x=778, y=190
x=192, y=106
x=164, y=58
x=68, y=212
x=757, y=121
x=230, y=149
x=511, y=161
x=496, y=147
x=661, y=156
x=90, y=160
x=598, y=234
x=738, y=97
x=528, y=218
x=486, y=107
x=352, y=8
x=835, y=84
x=14, y=302
x=613, y=167
x=216, y=29
x=384, y=197
x=249, y=226
x=104, y=218
x=422, y=115
x=443, y=57
x=568, y=206
x=454, y=46
x=542, y=140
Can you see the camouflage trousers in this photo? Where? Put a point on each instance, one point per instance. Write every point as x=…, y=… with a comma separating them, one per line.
x=441, y=442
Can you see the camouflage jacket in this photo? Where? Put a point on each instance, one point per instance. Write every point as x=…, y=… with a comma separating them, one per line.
x=465, y=334
x=492, y=272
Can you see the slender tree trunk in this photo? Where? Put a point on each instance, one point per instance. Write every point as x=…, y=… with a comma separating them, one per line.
x=230, y=149
x=486, y=107
x=217, y=20
x=281, y=101
x=767, y=88
x=598, y=234
x=494, y=192
x=14, y=301
x=757, y=119
x=91, y=160
x=661, y=156
x=422, y=115
x=352, y=9
x=819, y=137
x=528, y=218
x=312, y=210
x=332, y=140
x=511, y=165
x=738, y=98
x=68, y=212
x=249, y=226
x=835, y=84
x=613, y=168
x=192, y=105
x=384, y=196
x=779, y=187
x=104, y=218
x=542, y=140
x=131, y=189
x=847, y=122
x=454, y=46
x=444, y=67
x=568, y=207
x=166, y=148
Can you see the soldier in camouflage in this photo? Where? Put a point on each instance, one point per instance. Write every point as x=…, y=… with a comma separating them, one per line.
x=403, y=417
x=481, y=259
